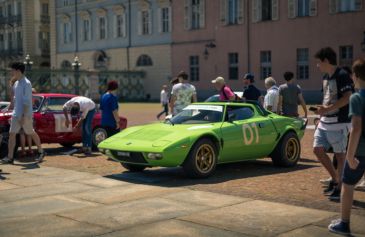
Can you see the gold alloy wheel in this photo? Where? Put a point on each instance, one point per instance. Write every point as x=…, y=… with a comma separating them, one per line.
x=204, y=158
x=292, y=149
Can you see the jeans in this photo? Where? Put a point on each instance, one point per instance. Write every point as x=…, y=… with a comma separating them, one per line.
x=86, y=129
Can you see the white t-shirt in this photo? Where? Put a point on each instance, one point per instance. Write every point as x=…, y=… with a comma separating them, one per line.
x=183, y=93
x=272, y=98
x=163, y=97
x=86, y=104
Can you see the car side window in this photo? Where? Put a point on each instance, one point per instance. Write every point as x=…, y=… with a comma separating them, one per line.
x=240, y=113
x=56, y=103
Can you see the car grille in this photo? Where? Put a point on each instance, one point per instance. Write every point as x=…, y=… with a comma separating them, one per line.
x=134, y=157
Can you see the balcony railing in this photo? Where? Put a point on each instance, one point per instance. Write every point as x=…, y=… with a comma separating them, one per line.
x=11, y=52
x=45, y=19
x=11, y=20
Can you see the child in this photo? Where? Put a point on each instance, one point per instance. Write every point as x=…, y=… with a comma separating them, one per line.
x=355, y=158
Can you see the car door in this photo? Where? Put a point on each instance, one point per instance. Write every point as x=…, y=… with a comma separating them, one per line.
x=247, y=135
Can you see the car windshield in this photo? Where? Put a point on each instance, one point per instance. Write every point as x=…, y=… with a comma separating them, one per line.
x=36, y=101
x=198, y=114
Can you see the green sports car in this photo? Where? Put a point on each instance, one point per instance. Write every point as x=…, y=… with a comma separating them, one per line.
x=206, y=134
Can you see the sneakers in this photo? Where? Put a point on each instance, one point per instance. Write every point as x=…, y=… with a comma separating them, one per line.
x=330, y=187
x=340, y=227
x=40, y=156
x=361, y=186
x=335, y=195
x=7, y=160
x=326, y=181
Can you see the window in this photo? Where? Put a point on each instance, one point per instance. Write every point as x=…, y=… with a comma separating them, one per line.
x=86, y=30
x=336, y=6
x=1, y=42
x=10, y=41
x=10, y=12
x=233, y=66
x=66, y=2
x=1, y=12
x=65, y=64
x=232, y=12
x=120, y=25
x=346, y=55
x=145, y=22
x=45, y=9
x=19, y=8
x=67, y=32
x=303, y=8
x=165, y=20
x=194, y=14
x=194, y=68
x=144, y=60
x=265, y=10
x=43, y=40
x=265, y=59
x=303, y=63
x=102, y=28
x=239, y=113
x=19, y=40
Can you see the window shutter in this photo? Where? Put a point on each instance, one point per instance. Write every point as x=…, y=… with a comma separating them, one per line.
x=139, y=23
x=150, y=21
x=106, y=27
x=202, y=14
x=124, y=26
x=358, y=5
x=333, y=6
x=223, y=12
x=256, y=10
x=292, y=8
x=159, y=20
x=40, y=39
x=313, y=8
x=170, y=19
x=187, y=10
x=274, y=10
x=98, y=28
x=241, y=11
x=115, y=24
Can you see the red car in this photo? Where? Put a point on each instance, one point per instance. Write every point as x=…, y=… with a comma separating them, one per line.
x=48, y=123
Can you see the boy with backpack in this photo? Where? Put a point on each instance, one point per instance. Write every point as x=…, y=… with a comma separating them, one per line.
x=355, y=158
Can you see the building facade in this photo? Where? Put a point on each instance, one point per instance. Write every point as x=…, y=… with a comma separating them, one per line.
x=114, y=35
x=266, y=37
x=24, y=29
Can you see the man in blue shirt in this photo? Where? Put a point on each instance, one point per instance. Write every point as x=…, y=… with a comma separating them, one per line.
x=109, y=110
x=22, y=116
x=250, y=92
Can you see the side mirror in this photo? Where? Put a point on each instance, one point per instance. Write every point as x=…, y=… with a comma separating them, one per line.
x=231, y=117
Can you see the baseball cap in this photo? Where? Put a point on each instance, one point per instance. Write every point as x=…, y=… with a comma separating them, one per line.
x=218, y=80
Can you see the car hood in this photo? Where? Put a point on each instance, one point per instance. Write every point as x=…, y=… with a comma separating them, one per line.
x=154, y=136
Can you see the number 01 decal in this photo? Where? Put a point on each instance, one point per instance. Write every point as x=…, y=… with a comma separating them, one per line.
x=250, y=131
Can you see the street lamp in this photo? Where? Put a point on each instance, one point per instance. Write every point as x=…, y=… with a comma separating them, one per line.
x=209, y=45
x=28, y=63
x=76, y=65
x=363, y=43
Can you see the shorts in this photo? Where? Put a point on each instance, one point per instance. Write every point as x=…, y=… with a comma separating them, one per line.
x=337, y=140
x=27, y=126
x=352, y=177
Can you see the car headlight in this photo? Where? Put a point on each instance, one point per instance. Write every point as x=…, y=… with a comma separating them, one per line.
x=154, y=156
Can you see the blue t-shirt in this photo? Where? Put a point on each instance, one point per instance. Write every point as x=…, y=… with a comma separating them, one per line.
x=108, y=104
x=251, y=93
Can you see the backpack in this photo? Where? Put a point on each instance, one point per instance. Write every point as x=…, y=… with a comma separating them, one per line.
x=236, y=97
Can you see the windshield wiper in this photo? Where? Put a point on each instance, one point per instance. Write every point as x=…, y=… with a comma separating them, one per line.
x=169, y=120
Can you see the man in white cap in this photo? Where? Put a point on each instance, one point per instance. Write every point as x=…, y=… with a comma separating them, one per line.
x=225, y=93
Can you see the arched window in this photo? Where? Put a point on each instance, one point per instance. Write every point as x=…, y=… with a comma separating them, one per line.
x=101, y=60
x=144, y=60
x=65, y=64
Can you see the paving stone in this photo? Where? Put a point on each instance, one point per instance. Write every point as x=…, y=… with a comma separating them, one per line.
x=134, y=213
x=313, y=231
x=357, y=223
x=206, y=198
x=150, y=176
x=123, y=193
x=41, y=191
x=50, y=226
x=41, y=180
x=5, y=186
x=41, y=206
x=174, y=228
x=51, y=171
x=259, y=218
x=103, y=182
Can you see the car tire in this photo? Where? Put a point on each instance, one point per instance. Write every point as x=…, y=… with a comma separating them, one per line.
x=202, y=159
x=99, y=134
x=68, y=145
x=287, y=152
x=133, y=167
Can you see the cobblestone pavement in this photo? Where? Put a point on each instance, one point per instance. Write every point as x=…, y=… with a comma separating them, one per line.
x=254, y=179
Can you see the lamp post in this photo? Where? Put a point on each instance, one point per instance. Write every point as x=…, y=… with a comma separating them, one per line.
x=363, y=43
x=28, y=63
x=76, y=65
